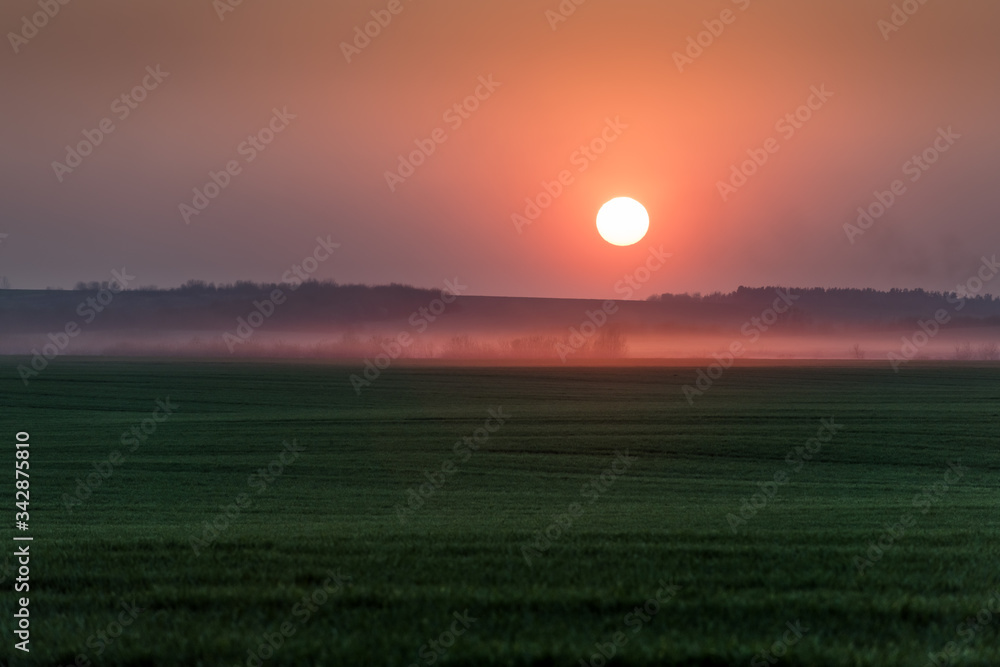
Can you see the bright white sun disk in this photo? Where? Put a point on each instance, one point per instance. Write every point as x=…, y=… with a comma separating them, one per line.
x=622, y=221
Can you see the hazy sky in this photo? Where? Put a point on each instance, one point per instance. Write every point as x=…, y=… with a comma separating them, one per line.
x=676, y=128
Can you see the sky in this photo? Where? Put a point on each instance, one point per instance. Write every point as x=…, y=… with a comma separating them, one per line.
x=302, y=120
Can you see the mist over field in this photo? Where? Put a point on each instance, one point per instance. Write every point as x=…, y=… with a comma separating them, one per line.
x=500, y=334
x=330, y=321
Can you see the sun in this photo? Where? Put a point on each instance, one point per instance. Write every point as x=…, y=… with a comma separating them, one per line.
x=622, y=221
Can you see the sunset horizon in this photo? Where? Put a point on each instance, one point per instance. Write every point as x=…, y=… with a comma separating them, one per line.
x=831, y=160
x=413, y=333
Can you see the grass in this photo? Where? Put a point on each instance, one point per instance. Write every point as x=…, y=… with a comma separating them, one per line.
x=661, y=521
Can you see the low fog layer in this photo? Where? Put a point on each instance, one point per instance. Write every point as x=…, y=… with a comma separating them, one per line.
x=329, y=321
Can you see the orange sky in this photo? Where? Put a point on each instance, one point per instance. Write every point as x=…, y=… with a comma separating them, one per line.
x=678, y=134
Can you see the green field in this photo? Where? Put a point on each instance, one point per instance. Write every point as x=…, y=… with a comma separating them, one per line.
x=917, y=449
